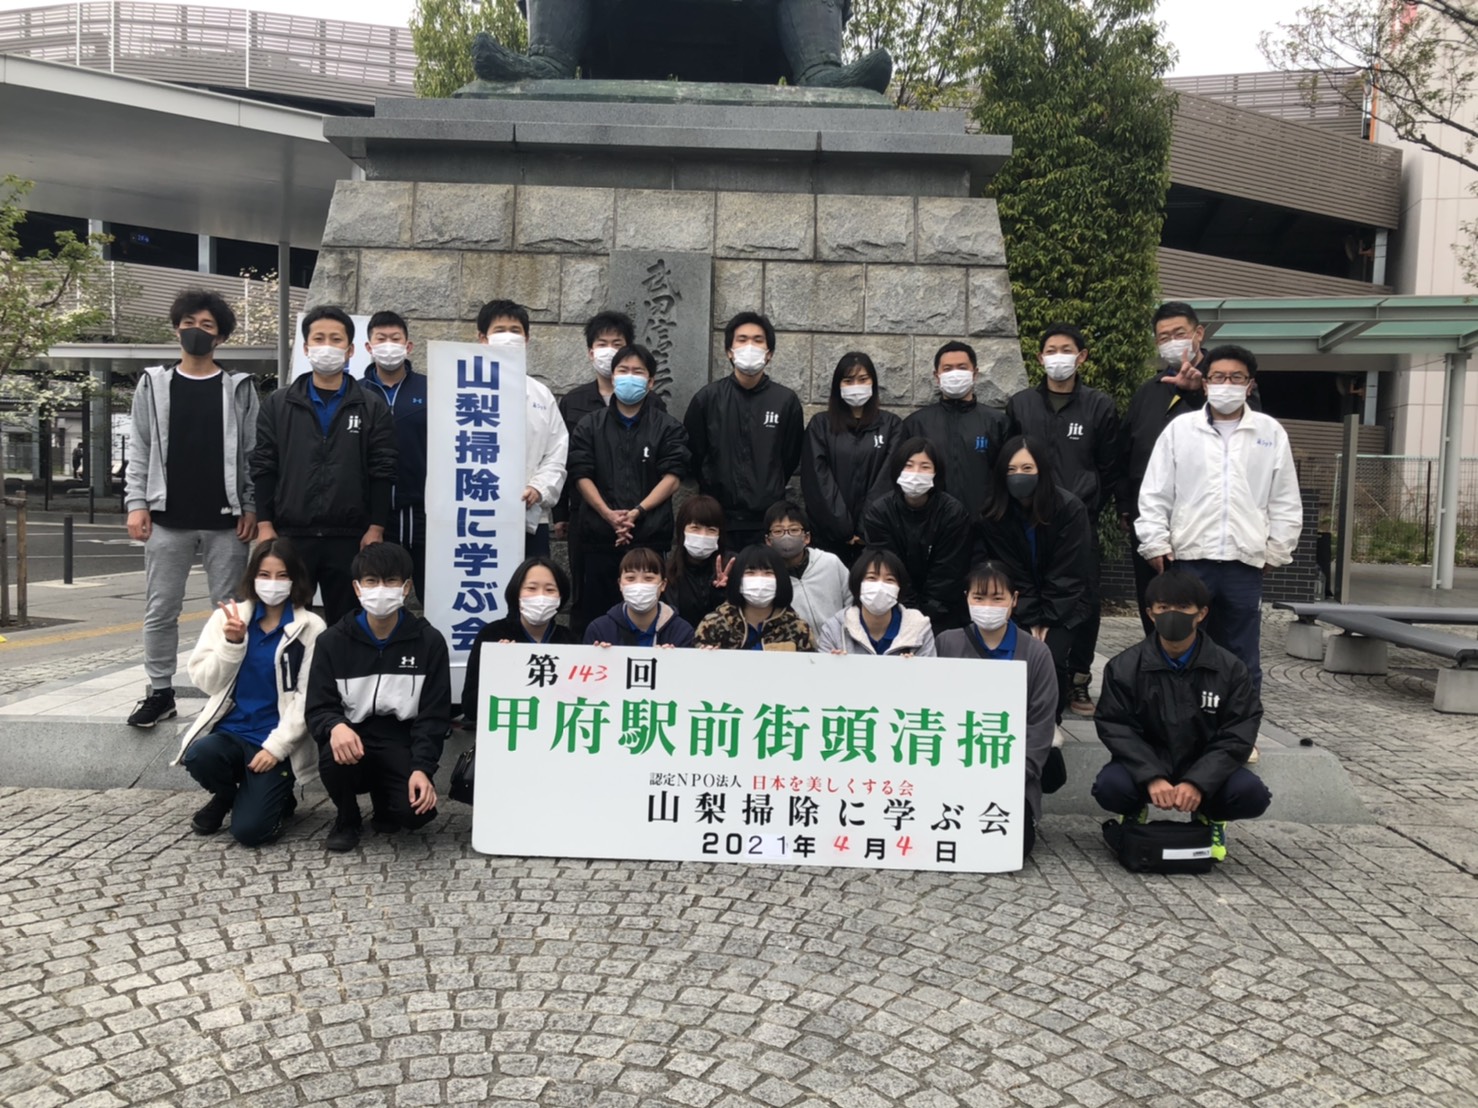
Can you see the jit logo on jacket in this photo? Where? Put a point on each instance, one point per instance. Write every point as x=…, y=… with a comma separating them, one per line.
x=772, y=419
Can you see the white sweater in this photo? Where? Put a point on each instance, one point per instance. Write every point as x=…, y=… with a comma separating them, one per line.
x=546, y=445
x=844, y=631
x=821, y=591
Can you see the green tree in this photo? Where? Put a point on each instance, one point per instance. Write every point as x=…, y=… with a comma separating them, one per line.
x=930, y=41
x=442, y=32
x=1078, y=85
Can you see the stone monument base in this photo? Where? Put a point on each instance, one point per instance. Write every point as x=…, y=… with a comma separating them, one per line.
x=587, y=91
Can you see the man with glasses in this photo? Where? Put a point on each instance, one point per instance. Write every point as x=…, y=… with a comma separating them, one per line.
x=1220, y=499
x=818, y=579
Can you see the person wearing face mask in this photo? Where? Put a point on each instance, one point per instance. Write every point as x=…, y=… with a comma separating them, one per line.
x=1079, y=426
x=1220, y=498
x=1179, y=716
x=926, y=527
x=536, y=593
x=188, y=483
x=968, y=433
x=746, y=431
x=757, y=614
x=404, y=393
x=380, y=703
x=546, y=441
x=626, y=461
x=699, y=563
x=1039, y=533
x=875, y=622
x=640, y=618
x=848, y=447
x=325, y=461
x=818, y=578
x=249, y=747
x=994, y=636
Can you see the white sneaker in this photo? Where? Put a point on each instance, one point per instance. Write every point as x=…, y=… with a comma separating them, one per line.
x=1254, y=757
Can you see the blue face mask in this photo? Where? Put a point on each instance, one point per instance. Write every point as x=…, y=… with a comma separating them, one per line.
x=630, y=388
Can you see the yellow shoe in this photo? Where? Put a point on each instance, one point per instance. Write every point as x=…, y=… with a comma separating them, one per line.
x=1218, y=837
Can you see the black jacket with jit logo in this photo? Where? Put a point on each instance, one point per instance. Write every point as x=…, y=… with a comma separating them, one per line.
x=400, y=693
x=1195, y=724
x=746, y=445
x=626, y=463
x=1083, y=436
x=971, y=434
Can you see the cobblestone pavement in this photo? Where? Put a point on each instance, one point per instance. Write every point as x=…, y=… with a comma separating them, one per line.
x=16, y=676
x=141, y=964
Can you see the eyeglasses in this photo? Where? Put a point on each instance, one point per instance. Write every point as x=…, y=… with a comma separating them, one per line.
x=789, y=532
x=1227, y=379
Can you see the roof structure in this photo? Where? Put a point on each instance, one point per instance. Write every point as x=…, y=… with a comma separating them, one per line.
x=1345, y=326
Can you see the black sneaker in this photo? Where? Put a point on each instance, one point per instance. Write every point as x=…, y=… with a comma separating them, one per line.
x=288, y=808
x=345, y=835
x=384, y=824
x=208, y=820
x=159, y=704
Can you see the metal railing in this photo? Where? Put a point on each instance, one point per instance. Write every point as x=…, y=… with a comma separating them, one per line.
x=1332, y=100
x=1396, y=506
x=219, y=48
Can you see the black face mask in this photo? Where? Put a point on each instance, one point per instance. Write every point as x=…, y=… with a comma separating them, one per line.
x=1021, y=485
x=1173, y=626
x=196, y=343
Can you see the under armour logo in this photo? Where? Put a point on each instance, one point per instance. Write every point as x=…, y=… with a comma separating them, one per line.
x=1074, y=431
x=772, y=419
x=407, y=661
x=354, y=423
x=1210, y=701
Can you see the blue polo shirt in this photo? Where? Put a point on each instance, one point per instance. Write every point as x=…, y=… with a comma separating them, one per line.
x=1005, y=652
x=255, y=712
x=884, y=644
x=1179, y=662
x=326, y=406
x=643, y=638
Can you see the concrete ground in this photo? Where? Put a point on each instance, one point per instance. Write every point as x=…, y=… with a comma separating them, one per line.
x=1322, y=964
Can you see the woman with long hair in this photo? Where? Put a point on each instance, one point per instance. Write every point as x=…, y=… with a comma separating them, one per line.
x=698, y=566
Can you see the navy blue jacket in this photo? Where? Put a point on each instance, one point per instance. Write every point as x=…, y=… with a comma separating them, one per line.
x=409, y=411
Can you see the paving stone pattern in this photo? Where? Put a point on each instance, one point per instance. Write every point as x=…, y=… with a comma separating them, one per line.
x=141, y=964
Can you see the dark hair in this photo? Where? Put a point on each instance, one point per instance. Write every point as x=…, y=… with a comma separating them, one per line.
x=515, y=583
x=784, y=509
x=749, y=317
x=203, y=300
x=1174, y=309
x=633, y=349
x=498, y=309
x=328, y=311
x=758, y=556
x=984, y=575
x=382, y=560
x=302, y=592
x=1067, y=331
x=609, y=321
x=1177, y=588
x=703, y=510
x=1230, y=353
x=642, y=559
x=386, y=319
x=956, y=348
x=872, y=558
x=838, y=413
x=907, y=449
x=1044, y=500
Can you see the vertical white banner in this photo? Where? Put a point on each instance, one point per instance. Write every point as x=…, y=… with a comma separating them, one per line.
x=474, y=488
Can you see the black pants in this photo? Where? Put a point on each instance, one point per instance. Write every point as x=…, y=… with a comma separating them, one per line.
x=600, y=568
x=1085, y=634
x=408, y=529
x=1060, y=642
x=327, y=560
x=536, y=543
x=1241, y=796
x=218, y=762
x=1144, y=573
x=740, y=537
x=384, y=772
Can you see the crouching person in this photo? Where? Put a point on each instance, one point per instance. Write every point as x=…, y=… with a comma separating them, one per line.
x=249, y=748
x=1179, y=716
x=380, y=702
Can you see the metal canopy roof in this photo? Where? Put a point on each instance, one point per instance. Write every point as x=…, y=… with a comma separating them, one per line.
x=1347, y=326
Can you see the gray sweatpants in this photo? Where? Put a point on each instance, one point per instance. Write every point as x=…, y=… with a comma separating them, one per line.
x=168, y=555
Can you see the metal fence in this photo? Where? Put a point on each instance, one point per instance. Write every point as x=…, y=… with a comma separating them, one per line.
x=220, y=48
x=1396, y=507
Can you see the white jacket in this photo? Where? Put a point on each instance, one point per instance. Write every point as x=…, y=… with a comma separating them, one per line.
x=844, y=631
x=214, y=664
x=821, y=591
x=546, y=445
x=1232, y=499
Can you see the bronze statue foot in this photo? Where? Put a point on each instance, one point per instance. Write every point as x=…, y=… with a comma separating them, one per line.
x=494, y=62
x=874, y=72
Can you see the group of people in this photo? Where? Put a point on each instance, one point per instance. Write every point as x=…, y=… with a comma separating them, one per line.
x=959, y=531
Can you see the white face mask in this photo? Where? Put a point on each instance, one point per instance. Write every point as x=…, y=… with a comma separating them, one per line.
x=639, y=597
x=915, y=484
x=759, y=591
x=854, y=396
x=700, y=546
x=1059, y=367
x=989, y=617
x=326, y=359
x=878, y=597
x=1175, y=351
x=602, y=357
x=505, y=338
x=750, y=360
x=388, y=355
x=957, y=383
x=1226, y=399
x=272, y=593
x=538, y=610
x=382, y=601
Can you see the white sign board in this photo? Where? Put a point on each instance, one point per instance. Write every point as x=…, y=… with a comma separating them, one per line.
x=474, y=488
x=359, y=361
x=748, y=756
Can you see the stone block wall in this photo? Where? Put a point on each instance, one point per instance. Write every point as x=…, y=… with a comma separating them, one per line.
x=893, y=276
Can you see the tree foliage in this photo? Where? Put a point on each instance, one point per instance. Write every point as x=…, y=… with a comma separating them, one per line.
x=1419, y=61
x=442, y=32
x=930, y=40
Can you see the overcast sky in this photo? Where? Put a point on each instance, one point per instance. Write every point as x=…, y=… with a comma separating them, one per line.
x=1210, y=37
